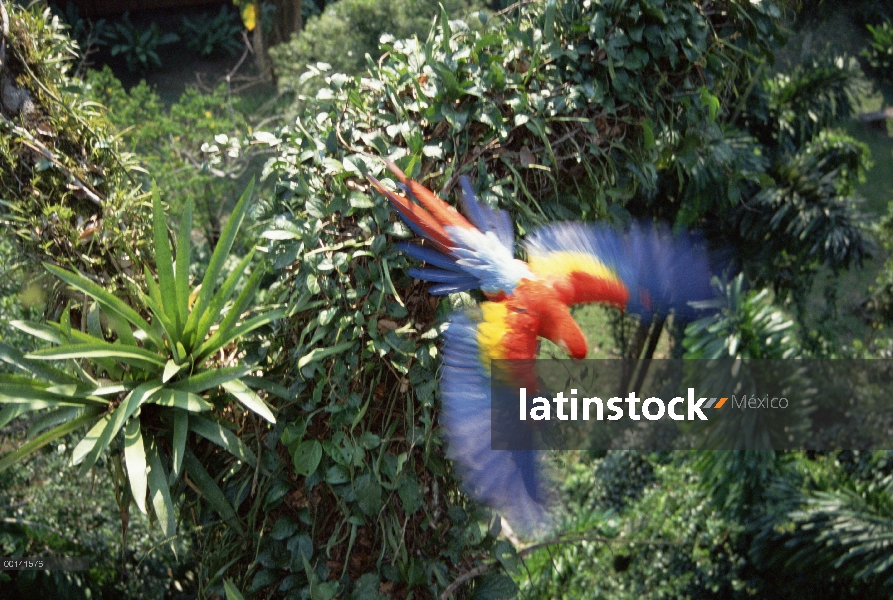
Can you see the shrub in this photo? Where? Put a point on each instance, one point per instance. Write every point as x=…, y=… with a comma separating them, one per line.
x=153, y=381
x=879, y=54
x=220, y=34
x=138, y=46
x=195, y=142
x=558, y=110
x=69, y=194
x=348, y=30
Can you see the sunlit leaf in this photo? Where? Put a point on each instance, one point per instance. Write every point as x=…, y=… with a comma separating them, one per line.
x=135, y=459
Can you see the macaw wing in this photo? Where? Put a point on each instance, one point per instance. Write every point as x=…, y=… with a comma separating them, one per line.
x=506, y=480
x=461, y=254
x=643, y=270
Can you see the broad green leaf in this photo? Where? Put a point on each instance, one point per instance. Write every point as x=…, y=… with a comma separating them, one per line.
x=90, y=440
x=167, y=326
x=135, y=459
x=44, y=439
x=171, y=368
x=321, y=353
x=10, y=355
x=11, y=411
x=112, y=389
x=160, y=492
x=249, y=398
x=181, y=399
x=306, y=457
x=164, y=263
x=549, y=29
x=221, y=251
x=121, y=328
x=264, y=384
x=184, y=256
x=206, y=380
x=210, y=491
x=29, y=392
x=223, y=437
x=181, y=429
x=131, y=355
x=111, y=367
x=154, y=291
x=52, y=418
x=232, y=592
x=242, y=302
x=105, y=299
x=40, y=331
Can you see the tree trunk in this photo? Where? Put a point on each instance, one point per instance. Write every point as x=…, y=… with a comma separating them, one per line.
x=260, y=50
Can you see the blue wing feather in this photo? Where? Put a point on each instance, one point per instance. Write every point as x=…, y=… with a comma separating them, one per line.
x=440, y=275
x=442, y=289
x=485, y=218
x=662, y=271
x=506, y=480
x=432, y=257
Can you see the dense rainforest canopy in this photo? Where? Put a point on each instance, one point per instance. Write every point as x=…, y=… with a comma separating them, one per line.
x=204, y=311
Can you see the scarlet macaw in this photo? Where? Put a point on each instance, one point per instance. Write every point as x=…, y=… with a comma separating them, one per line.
x=645, y=271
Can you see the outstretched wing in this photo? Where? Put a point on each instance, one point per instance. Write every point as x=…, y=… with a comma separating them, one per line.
x=643, y=270
x=461, y=254
x=506, y=480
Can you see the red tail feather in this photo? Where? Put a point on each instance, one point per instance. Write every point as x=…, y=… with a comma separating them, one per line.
x=433, y=230
x=443, y=212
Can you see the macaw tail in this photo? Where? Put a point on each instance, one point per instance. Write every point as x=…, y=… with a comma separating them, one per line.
x=453, y=245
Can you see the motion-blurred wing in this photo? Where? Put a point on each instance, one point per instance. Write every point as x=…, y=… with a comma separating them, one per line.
x=506, y=480
x=644, y=270
x=461, y=254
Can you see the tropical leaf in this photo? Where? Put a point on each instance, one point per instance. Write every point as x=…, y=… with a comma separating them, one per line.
x=223, y=437
x=181, y=399
x=211, y=491
x=221, y=251
x=249, y=398
x=131, y=355
x=135, y=459
x=160, y=492
x=42, y=440
x=107, y=301
x=89, y=449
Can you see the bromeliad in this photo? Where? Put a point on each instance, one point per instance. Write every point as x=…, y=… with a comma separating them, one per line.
x=645, y=271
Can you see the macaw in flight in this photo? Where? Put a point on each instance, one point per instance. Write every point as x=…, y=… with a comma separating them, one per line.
x=644, y=271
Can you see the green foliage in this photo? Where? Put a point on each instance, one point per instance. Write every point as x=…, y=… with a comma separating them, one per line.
x=196, y=143
x=139, y=46
x=68, y=196
x=742, y=324
x=879, y=54
x=669, y=542
x=833, y=521
x=87, y=33
x=155, y=378
x=348, y=30
x=50, y=510
x=622, y=477
x=220, y=34
x=880, y=304
x=775, y=183
x=557, y=110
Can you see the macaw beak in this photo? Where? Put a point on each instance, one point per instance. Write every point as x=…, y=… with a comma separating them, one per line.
x=558, y=326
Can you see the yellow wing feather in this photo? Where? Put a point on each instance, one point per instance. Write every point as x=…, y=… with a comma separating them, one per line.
x=562, y=264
